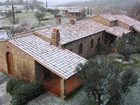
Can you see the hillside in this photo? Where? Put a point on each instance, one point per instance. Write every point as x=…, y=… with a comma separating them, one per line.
x=124, y=5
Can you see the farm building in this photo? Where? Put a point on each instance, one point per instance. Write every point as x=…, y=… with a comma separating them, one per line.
x=50, y=55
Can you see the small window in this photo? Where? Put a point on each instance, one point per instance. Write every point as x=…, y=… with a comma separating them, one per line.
x=80, y=48
x=91, y=43
x=105, y=41
x=99, y=39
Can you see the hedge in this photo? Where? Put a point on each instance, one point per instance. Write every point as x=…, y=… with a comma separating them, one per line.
x=22, y=92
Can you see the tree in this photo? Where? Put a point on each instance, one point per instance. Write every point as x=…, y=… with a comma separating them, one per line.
x=40, y=13
x=105, y=81
x=8, y=14
x=128, y=45
x=39, y=16
x=135, y=11
x=13, y=14
x=46, y=4
x=32, y=7
x=26, y=8
x=55, y=12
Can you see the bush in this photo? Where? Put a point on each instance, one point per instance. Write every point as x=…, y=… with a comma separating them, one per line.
x=101, y=48
x=23, y=92
x=18, y=100
x=11, y=84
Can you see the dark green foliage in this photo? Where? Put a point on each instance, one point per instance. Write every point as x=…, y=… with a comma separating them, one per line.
x=128, y=44
x=101, y=48
x=23, y=92
x=18, y=100
x=128, y=79
x=103, y=78
x=11, y=84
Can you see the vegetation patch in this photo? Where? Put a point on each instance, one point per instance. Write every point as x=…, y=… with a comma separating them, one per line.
x=22, y=92
x=107, y=82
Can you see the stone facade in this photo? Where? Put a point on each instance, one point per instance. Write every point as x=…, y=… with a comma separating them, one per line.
x=87, y=49
x=111, y=23
x=123, y=25
x=101, y=20
x=23, y=64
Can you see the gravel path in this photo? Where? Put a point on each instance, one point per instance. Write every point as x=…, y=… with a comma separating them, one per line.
x=4, y=97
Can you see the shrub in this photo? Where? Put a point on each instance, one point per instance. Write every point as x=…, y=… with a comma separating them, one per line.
x=18, y=100
x=11, y=84
x=101, y=48
x=22, y=92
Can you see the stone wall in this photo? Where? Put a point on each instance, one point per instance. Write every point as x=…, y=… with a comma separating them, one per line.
x=104, y=21
x=87, y=50
x=123, y=25
x=101, y=20
x=23, y=63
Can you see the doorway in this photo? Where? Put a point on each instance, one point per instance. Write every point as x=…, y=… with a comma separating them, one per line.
x=10, y=64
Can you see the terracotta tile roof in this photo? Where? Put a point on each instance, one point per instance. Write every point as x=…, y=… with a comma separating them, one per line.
x=81, y=29
x=124, y=19
x=70, y=32
x=117, y=31
x=60, y=61
x=128, y=20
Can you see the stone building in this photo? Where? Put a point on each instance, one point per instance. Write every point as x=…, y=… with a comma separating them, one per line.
x=50, y=55
x=72, y=12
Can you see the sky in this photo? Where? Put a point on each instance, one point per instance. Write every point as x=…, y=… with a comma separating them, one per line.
x=55, y=2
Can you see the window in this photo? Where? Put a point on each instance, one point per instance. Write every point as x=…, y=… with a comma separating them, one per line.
x=10, y=65
x=80, y=48
x=91, y=43
x=99, y=40
x=105, y=41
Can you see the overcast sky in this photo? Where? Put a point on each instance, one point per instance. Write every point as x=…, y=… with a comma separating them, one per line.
x=55, y=2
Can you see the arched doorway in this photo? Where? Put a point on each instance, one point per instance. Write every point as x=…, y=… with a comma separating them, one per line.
x=10, y=64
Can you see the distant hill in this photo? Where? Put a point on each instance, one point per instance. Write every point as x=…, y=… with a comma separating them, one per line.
x=105, y=6
x=116, y=4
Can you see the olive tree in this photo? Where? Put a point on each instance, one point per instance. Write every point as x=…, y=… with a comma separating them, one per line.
x=38, y=16
x=105, y=81
x=128, y=44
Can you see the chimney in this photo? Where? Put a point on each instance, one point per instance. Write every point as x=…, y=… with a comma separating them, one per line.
x=72, y=21
x=55, y=37
x=58, y=20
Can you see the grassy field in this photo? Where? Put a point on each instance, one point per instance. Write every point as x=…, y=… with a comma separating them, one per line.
x=30, y=19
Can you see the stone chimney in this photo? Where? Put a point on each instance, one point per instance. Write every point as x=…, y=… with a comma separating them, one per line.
x=58, y=20
x=72, y=21
x=55, y=37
